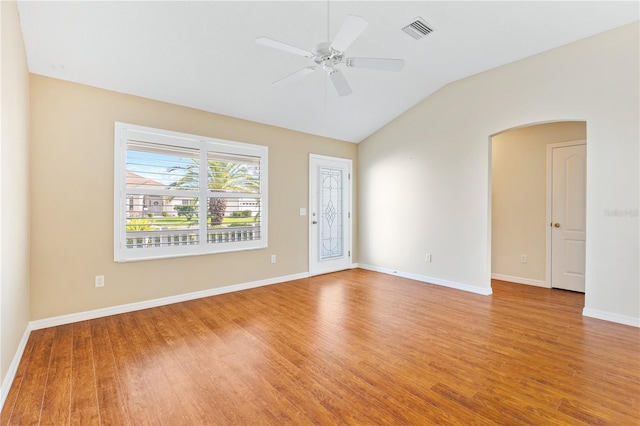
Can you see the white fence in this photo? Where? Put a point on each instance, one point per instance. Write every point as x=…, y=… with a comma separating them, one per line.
x=180, y=237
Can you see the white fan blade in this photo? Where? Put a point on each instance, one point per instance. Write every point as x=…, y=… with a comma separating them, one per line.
x=340, y=83
x=380, y=64
x=349, y=31
x=265, y=41
x=294, y=77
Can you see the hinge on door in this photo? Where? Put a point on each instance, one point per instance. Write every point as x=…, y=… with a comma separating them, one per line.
x=349, y=215
x=349, y=176
x=349, y=253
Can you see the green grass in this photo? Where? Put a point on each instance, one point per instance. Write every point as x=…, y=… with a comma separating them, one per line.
x=180, y=221
x=238, y=220
x=167, y=221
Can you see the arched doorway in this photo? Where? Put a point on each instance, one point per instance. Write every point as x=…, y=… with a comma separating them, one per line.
x=521, y=233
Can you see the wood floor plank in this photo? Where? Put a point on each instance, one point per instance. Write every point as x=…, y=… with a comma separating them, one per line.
x=84, y=400
x=14, y=391
x=354, y=347
x=57, y=394
x=149, y=390
x=227, y=390
x=175, y=364
x=29, y=400
x=130, y=364
x=109, y=392
x=224, y=340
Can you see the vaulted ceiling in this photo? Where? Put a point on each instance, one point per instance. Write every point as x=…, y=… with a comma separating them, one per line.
x=203, y=54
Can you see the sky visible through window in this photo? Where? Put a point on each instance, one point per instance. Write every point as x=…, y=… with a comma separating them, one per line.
x=162, y=168
x=158, y=166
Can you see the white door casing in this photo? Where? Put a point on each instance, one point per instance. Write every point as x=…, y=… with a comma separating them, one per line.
x=567, y=215
x=329, y=214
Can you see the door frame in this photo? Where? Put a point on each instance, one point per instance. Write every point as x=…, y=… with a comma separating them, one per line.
x=550, y=148
x=348, y=233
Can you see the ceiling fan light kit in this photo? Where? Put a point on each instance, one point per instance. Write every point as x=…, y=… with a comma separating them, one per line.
x=329, y=56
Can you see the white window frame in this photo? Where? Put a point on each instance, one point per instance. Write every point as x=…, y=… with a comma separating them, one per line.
x=125, y=132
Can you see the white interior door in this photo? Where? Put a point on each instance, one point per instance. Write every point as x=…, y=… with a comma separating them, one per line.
x=568, y=216
x=329, y=214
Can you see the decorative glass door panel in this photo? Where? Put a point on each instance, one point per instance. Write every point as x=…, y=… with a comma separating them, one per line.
x=331, y=209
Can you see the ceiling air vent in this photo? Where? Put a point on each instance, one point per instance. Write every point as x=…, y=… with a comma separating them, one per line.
x=418, y=28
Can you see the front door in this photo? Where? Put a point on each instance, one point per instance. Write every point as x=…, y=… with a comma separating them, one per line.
x=329, y=214
x=568, y=218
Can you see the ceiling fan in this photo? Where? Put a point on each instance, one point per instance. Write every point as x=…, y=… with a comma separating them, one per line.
x=329, y=56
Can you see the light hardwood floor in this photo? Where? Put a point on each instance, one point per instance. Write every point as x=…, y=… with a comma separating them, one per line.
x=352, y=347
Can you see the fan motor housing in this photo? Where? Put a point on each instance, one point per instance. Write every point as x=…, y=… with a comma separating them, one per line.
x=326, y=56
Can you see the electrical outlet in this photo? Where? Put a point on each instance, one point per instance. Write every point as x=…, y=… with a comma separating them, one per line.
x=523, y=258
x=99, y=281
x=427, y=257
x=273, y=258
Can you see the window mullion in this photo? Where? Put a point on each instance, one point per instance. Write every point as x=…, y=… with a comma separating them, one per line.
x=120, y=160
x=203, y=200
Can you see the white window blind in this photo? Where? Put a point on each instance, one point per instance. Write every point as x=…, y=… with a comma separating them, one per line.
x=179, y=195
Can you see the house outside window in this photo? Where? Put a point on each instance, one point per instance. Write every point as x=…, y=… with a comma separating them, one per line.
x=181, y=195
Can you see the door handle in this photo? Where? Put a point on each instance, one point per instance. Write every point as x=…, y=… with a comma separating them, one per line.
x=314, y=222
x=556, y=225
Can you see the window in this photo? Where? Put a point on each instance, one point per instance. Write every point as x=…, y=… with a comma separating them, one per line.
x=182, y=195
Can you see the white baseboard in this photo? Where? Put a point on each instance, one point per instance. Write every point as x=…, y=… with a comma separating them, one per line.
x=130, y=307
x=430, y=280
x=520, y=280
x=13, y=367
x=610, y=316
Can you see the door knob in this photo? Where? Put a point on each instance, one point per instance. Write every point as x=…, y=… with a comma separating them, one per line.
x=556, y=225
x=314, y=222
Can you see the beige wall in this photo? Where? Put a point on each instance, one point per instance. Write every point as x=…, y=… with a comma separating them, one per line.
x=433, y=164
x=14, y=188
x=72, y=200
x=519, y=197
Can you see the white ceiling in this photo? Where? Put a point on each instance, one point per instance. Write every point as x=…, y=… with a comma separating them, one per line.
x=203, y=54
